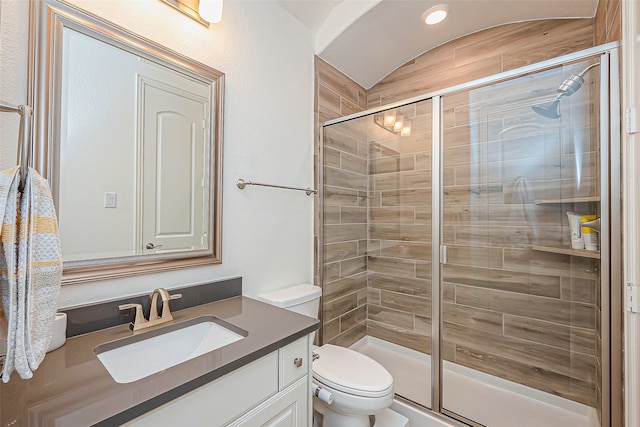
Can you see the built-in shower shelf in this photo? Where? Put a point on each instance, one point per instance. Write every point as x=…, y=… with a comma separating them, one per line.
x=566, y=251
x=587, y=199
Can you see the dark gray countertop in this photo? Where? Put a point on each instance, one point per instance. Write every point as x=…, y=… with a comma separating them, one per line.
x=72, y=388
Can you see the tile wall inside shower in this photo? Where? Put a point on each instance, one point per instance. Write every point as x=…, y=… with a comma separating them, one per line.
x=523, y=315
x=370, y=286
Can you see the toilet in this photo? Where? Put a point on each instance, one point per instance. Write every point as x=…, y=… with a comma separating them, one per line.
x=360, y=386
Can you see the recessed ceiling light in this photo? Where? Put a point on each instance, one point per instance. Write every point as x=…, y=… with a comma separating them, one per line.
x=435, y=14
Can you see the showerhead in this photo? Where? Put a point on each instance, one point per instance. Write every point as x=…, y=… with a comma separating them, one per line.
x=551, y=110
x=568, y=87
x=571, y=84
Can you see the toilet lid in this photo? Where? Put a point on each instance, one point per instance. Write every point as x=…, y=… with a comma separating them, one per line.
x=351, y=372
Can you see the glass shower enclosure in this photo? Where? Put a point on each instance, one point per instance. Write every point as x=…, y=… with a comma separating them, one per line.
x=467, y=243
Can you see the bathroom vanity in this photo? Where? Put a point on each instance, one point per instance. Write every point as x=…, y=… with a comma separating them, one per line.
x=271, y=391
x=261, y=379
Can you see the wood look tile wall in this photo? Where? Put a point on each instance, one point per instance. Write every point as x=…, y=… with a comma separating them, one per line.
x=608, y=22
x=344, y=309
x=524, y=315
x=399, y=249
x=530, y=317
x=483, y=54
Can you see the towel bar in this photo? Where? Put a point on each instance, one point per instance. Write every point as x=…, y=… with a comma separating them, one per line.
x=24, y=137
x=241, y=183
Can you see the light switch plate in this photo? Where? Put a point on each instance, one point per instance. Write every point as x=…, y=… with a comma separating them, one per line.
x=110, y=200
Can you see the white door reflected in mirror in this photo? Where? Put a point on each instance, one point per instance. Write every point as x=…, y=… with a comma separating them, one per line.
x=173, y=190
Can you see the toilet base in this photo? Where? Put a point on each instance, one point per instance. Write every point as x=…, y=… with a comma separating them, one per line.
x=384, y=418
x=334, y=419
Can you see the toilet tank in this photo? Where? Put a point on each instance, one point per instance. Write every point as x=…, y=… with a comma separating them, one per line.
x=303, y=299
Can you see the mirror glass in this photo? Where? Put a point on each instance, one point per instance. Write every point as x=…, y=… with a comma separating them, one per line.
x=128, y=133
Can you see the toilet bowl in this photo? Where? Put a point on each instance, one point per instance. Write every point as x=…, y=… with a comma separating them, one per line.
x=360, y=386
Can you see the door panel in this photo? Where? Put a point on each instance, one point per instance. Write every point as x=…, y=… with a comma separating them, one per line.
x=521, y=324
x=173, y=158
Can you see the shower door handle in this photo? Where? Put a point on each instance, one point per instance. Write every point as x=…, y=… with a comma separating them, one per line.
x=444, y=253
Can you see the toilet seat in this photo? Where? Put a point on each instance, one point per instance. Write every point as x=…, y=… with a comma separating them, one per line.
x=351, y=372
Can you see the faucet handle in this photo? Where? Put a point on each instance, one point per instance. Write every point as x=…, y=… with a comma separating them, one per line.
x=139, y=319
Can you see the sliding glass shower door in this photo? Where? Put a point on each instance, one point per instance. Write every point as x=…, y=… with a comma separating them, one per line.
x=376, y=253
x=521, y=311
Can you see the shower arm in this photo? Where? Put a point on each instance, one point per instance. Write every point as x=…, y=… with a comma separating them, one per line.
x=568, y=87
x=570, y=82
x=583, y=72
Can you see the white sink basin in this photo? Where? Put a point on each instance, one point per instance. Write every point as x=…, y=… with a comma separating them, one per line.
x=139, y=356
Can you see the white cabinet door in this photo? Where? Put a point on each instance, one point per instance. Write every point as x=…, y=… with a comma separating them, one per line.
x=247, y=397
x=220, y=401
x=288, y=409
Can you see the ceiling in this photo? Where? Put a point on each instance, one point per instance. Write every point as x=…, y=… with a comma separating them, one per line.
x=368, y=39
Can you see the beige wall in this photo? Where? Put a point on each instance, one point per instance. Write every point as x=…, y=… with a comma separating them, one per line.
x=253, y=218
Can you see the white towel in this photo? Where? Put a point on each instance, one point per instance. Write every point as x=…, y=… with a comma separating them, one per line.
x=33, y=294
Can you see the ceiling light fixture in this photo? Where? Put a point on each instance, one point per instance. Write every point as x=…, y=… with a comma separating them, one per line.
x=435, y=14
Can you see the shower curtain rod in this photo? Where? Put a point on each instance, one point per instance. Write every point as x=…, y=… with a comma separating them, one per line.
x=24, y=137
x=241, y=183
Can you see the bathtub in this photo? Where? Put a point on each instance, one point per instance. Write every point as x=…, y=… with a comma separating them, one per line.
x=484, y=398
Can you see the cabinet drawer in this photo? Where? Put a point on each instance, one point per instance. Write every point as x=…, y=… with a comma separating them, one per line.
x=294, y=361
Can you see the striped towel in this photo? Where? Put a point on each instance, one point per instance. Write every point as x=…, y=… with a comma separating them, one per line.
x=29, y=296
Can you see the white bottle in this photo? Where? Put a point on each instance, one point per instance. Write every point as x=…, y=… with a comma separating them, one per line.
x=574, y=228
x=589, y=235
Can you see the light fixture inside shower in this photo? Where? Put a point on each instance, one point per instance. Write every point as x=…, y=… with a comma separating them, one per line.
x=393, y=122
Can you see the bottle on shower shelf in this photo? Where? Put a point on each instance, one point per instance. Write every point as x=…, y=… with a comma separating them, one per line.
x=589, y=235
x=574, y=228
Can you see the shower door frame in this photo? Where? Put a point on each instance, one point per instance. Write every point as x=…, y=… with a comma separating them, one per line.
x=610, y=207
